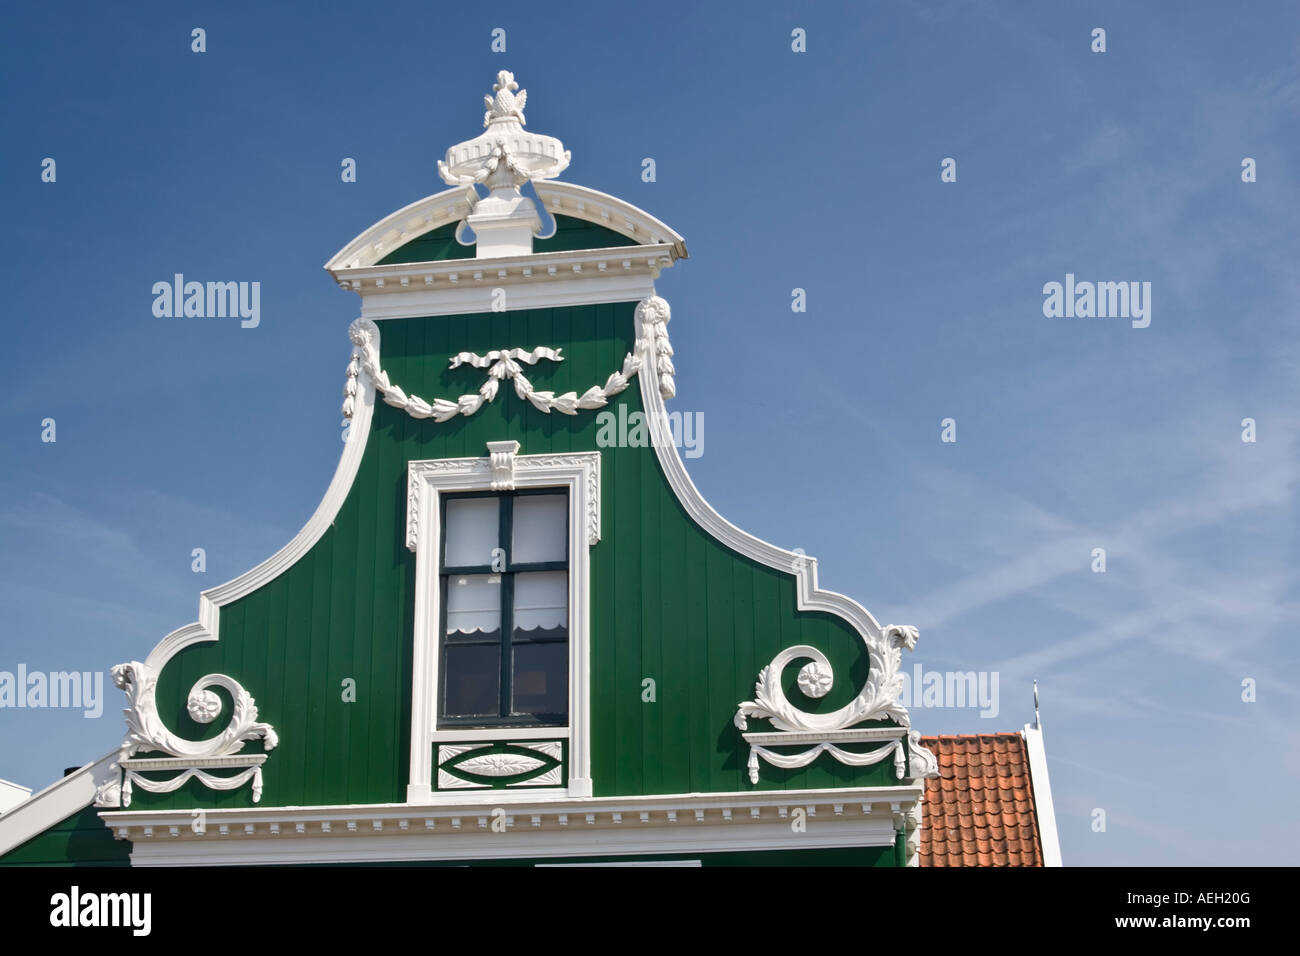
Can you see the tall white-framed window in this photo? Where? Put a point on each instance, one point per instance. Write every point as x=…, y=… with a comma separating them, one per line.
x=500, y=662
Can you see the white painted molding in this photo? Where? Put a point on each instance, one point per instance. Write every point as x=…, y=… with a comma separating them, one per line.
x=856, y=735
x=536, y=825
x=12, y=794
x=1042, y=788
x=540, y=280
x=357, y=258
x=57, y=802
x=579, y=474
x=878, y=699
x=602, y=209
x=398, y=228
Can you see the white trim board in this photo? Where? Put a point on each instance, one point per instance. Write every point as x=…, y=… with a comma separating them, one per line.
x=1042, y=788
x=608, y=826
x=468, y=286
x=55, y=803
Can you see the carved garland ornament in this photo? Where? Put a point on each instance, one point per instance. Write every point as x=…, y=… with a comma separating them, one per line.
x=652, y=315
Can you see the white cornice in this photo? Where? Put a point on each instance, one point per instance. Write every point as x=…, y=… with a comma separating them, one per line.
x=397, y=277
x=459, y=286
x=590, y=826
x=861, y=735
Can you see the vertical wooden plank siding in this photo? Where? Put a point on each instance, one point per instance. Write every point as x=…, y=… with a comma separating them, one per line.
x=669, y=602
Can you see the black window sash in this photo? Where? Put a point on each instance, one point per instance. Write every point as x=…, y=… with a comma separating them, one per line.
x=506, y=641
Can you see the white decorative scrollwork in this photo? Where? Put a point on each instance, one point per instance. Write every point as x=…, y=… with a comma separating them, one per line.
x=146, y=733
x=921, y=762
x=878, y=700
x=145, y=729
x=109, y=792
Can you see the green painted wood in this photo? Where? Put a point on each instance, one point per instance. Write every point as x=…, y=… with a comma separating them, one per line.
x=669, y=602
x=440, y=244
x=436, y=246
x=81, y=839
x=572, y=233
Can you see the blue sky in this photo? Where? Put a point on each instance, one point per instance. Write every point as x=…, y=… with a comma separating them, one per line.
x=817, y=170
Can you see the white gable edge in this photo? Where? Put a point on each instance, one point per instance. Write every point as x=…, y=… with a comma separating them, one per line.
x=1042, y=788
x=452, y=205
x=54, y=804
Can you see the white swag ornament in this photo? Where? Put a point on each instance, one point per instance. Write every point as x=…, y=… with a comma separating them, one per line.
x=652, y=316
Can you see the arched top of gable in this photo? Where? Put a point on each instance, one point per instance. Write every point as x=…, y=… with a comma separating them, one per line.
x=451, y=206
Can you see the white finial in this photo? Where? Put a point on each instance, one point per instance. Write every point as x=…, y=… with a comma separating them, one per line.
x=1037, y=726
x=524, y=156
x=505, y=105
x=503, y=158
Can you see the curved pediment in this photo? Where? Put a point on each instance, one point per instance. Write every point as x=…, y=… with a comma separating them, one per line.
x=454, y=205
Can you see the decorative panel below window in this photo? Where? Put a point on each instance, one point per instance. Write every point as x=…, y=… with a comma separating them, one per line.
x=501, y=765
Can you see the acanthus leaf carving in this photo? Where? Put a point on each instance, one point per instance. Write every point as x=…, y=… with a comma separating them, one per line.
x=877, y=700
x=147, y=733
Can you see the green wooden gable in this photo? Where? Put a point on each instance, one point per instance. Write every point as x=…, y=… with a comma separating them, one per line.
x=711, y=684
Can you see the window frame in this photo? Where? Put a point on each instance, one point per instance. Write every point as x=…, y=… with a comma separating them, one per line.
x=506, y=641
x=502, y=470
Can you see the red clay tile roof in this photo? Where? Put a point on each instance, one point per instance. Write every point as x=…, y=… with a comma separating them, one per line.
x=980, y=811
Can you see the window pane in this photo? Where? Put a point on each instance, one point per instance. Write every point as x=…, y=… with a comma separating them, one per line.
x=474, y=604
x=472, y=678
x=540, y=528
x=541, y=679
x=471, y=531
x=541, y=602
